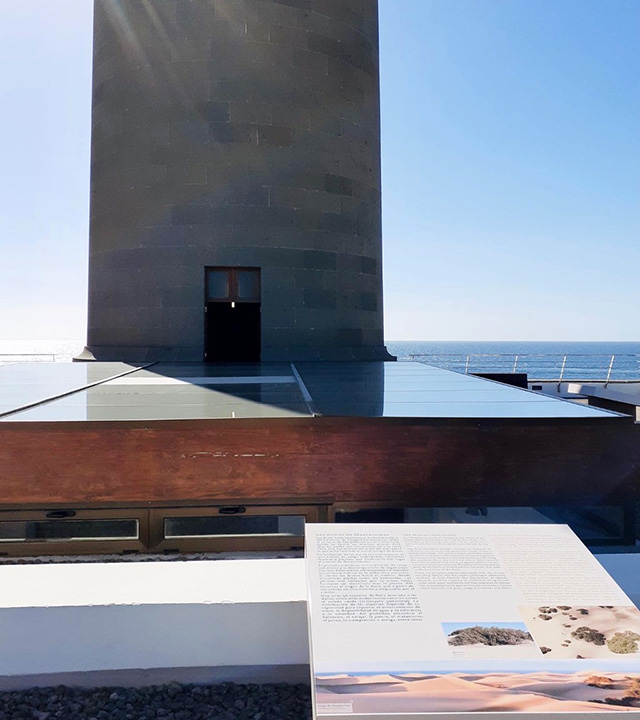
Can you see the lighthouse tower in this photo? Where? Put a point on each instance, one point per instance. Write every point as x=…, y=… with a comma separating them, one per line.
x=235, y=181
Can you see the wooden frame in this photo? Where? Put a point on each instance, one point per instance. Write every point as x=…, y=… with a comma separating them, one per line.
x=251, y=304
x=76, y=547
x=231, y=543
x=151, y=529
x=233, y=295
x=299, y=462
x=151, y=526
x=436, y=463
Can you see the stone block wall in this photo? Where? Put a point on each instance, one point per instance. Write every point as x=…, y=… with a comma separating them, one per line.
x=236, y=133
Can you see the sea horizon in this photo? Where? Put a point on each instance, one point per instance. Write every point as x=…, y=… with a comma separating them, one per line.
x=540, y=359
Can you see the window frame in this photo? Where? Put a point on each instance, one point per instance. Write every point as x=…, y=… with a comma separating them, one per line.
x=30, y=548
x=232, y=284
x=231, y=543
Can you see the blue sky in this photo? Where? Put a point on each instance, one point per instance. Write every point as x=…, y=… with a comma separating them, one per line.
x=511, y=162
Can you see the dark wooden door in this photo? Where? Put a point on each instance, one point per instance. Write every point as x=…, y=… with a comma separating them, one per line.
x=233, y=328
x=232, y=332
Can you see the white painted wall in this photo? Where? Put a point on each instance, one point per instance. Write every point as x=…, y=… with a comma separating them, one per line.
x=78, y=639
x=93, y=617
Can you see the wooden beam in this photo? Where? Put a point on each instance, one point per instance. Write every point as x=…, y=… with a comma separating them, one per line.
x=429, y=463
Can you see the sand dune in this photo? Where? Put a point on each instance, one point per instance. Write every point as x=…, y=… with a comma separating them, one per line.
x=364, y=689
x=446, y=685
x=456, y=692
x=553, y=630
x=356, y=680
x=510, y=679
x=525, y=702
x=565, y=691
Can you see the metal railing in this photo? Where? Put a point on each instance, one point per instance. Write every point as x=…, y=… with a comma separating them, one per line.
x=10, y=358
x=541, y=368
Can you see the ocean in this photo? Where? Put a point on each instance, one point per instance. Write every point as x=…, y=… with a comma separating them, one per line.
x=40, y=350
x=541, y=360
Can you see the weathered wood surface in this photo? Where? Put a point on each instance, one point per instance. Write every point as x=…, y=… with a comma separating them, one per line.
x=432, y=463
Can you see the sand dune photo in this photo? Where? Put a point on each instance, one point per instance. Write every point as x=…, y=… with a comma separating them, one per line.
x=579, y=632
x=588, y=691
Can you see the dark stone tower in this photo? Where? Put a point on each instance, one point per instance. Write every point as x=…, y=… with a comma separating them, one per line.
x=235, y=180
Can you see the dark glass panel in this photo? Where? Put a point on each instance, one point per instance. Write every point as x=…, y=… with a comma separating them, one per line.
x=604, y=523
x=59, y=530
x=217, y=284
x=186, y=527
x=248, y=284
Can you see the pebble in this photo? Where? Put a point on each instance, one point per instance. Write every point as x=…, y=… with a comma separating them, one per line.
x=162, y=702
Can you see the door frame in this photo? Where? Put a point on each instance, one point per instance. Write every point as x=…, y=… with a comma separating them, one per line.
x=232, y=296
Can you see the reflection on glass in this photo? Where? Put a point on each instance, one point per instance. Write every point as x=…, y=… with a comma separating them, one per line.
x=217, y=284
x=248, y=284
x=589, y=523
x=373, y=515
x=194, y=527
x=58, y=530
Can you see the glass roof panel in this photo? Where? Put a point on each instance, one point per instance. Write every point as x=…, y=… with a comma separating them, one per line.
x=263, y=390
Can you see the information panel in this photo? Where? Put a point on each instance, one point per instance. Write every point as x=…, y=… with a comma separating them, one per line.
x=430, y=620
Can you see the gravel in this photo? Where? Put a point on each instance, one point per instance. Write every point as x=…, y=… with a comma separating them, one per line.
x=163, y=702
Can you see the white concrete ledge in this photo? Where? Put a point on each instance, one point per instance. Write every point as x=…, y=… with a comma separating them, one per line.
x=154, y=583
x=57, y=619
